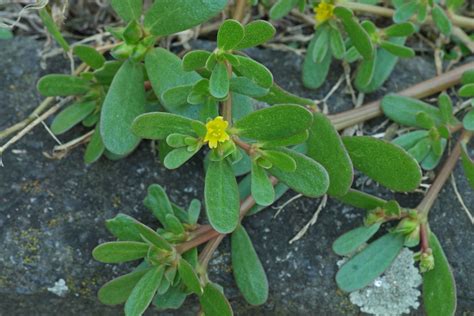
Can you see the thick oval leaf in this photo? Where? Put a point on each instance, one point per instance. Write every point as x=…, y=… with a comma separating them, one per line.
x=123, y=227
x=467, y=77
x=468, y=166
x=433, y=158
x=214, y=302
x=397, y=50
x=248, y=270
x=410, y=139
x=272, y=123
x=128, y=9
x=71, y=116
x=219, y=81
x=120, y=251
x=143, y=293
x=177, y=157
x=321, y=46
x=172, y=299
x=314, y=74
x=336, y=42
x=195, y=59
x=230, y=33
x=254, y=71
x=221, y=195
x=95, y=148
x=172, y=16
x=159, y=125
x=280, y=160
x=403, y=110
x=441, y=20
x=282, y=8
x=362, y=200
x=405, y=11
x=256, y=33
x=107, y=72
x=247, y=87
x=89, y=56
x=118, y=290
x=365, y=71
x=439, y=288
x=356, y=32
x=262, y=188
x=370, y=263
x=158, y=202
x=400, y=30
x=62, y=85
x=326, y=147
x=353, y=239
x=189, y=277
x=384, y=162
x=125, y=101
x=277, y=95
x=309, y=178
x=152, y=237
x=467, y=90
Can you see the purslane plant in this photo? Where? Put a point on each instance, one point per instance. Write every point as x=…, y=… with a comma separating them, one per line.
x=207, y=102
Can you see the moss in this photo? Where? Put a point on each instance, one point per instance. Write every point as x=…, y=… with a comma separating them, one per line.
x=30, y=245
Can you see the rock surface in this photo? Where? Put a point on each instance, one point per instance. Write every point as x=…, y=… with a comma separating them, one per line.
x=52, y=212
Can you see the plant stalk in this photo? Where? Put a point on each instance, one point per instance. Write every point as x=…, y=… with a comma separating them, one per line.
x=423, y=89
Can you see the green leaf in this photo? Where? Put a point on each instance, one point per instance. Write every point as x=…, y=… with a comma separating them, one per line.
x=262, y=188
x=441, y=20
x=370, y=263
x=280, y=160
x=384, y=162
x=277, y=95
x=124, y=101
x=230, y=34
x=174, y=225
x=326, y=147
x=254, y=71
x=468, y=166
x=123, y=227
x=248, y=270
x=336, y=42
x=410, y=139
x=398, y=50
x=468, y=120
x=467, y=90
x=321, y=46
x=365, y=72
x=189, y=277
x=405, y=11
x=445, y=107
x=403, y=110
x=144, y=291
x=467, y=77
x=62, y=85
x=272, y=123
x=118, y=290
x=157, y=201
x=195, y=59
x=214, y=302
x=159, y=125
x=89, y=56
x=107, y=72
x=309, y=178
x=172, y=299
x=120, y=251
x=282, y=8
x=177, y=157
x=400, y=30
x=421, y=149
x=219, y=81
x=53, y=29
x=221, y=195
x=349, y=242
x=356, y=32
x=5, y=34
x=152, y=237
x=256, y=33
x=247, y=87
x=362, y=200
x=172, y=16
x=314, y=74
x=432, y=159
x=71, y=116
x=95, y=148
x=128, y=9
x=439, y=288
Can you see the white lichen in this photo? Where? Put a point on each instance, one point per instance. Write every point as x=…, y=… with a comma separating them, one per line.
x=393, y=293
x=60, y=288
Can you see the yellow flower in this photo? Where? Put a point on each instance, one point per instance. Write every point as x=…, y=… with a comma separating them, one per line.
x=324, y=11
x=216, y=132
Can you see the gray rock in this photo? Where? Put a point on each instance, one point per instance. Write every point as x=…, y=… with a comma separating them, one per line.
x=52, y=212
